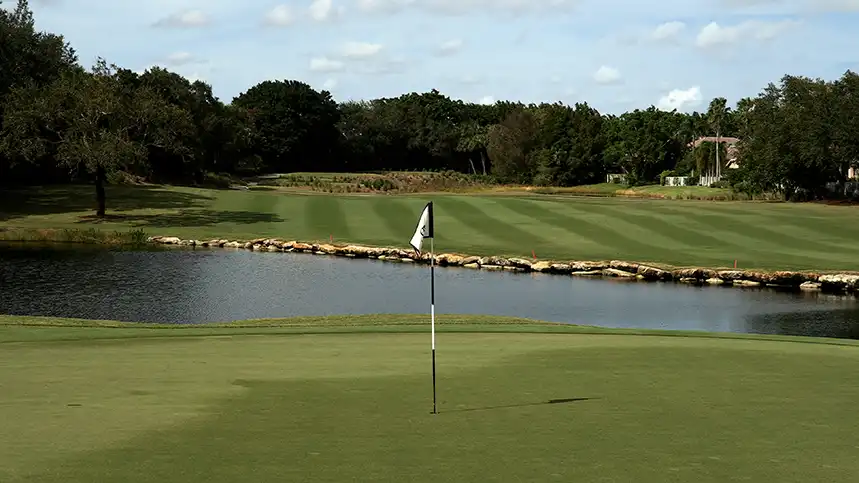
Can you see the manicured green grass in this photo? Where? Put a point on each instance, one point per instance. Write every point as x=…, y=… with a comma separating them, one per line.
x=681, y=233
x=271, y=400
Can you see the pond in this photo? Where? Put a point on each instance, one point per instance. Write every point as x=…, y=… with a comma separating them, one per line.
x=194, y=286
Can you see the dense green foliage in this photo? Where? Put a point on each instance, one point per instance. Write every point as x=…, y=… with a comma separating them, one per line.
x=61, y=122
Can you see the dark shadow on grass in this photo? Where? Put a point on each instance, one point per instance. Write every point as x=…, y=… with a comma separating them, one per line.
x=523, y=405
x=49, y=200
x=186, y=218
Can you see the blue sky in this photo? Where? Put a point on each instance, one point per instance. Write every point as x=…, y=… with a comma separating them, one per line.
x=617, y=55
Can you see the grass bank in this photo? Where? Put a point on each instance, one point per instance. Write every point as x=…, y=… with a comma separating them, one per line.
x=106, y=401
x=765, y=236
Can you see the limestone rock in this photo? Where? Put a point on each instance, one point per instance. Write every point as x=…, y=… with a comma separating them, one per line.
x=469, y=260
x=561, y=268
x=793, y=279
x=616, y=272
x=588, y=266
x=687, y=273
x=449, y=259
x=326, y=248
x=234, y=244
x=586, y=273
x=471, y=265
x=653, y=273
x=248, y=246
x=304, y=247
x=689, y=280
x=746, y=283
x=168, y=240
x=511, y=268
x=520, y=263
x=838, y=282
x=492, y=267
x=730, y=275
x=625, y=266
x=273, y=248
x=541, y=266
x=715, y=281
x=810, y=286
x=496, y=261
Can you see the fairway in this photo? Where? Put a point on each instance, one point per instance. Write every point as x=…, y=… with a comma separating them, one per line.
x=269, y=404
x=674, y=232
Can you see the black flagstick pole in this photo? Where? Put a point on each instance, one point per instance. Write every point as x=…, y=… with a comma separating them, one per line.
x=432, y=314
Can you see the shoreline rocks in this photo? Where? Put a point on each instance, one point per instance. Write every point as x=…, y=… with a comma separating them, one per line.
x=835, y=283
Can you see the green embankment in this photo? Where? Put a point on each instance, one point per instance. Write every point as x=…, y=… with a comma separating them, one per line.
x=88, y=401
x=775, y=236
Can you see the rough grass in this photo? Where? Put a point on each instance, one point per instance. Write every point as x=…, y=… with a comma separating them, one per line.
x=777, y=236
x=221, y=404
x=649, y=191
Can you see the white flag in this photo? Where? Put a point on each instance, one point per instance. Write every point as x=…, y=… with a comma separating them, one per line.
x=424, y=228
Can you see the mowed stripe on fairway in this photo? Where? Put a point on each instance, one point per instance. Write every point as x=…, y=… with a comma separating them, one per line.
x=480, y=223
x=399, y=216
x=608, y=242
x=346, y=408
x=324, y=218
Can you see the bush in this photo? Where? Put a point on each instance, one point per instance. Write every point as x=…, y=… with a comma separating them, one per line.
x=720, y=184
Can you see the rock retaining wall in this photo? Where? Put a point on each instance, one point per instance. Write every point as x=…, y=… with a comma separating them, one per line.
x=617, y=269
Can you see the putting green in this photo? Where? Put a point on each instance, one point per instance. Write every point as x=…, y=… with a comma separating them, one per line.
x=229, y=404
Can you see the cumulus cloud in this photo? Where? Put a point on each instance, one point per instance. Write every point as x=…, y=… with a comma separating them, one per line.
x=324, y=64
x=324, y=10
x=280, y=16
x=680, y=99
x=360, y=50
x=486, y=100
x=715, y=35
x=668, y=31
x=329, y=84
x=607, y=75
x=185, y=19
x=450, y=47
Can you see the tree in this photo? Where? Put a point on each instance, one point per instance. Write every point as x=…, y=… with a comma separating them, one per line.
x=86, y=122
x=510, y=144
x=28, y=58
x=294, y=125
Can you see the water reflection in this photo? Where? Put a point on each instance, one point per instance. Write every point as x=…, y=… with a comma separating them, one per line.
x=193, y=286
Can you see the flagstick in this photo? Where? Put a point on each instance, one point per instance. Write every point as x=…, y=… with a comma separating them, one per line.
x=432, y=316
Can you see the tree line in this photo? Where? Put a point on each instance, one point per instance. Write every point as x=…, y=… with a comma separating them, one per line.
x=63, y=122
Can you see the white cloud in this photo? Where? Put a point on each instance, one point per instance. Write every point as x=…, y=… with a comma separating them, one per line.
x=280, y=16
x=607, y=75
x=450, y=47
x=360, y=50
x=486, y=100
x=329, y=84
x=185, y=19
x=323, y=10
x=180, y=58
x=680, y=99
x=668, y=31
x=324, y=64
x=714, y=35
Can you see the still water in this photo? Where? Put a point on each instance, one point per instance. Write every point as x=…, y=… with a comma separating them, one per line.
x=195, y=286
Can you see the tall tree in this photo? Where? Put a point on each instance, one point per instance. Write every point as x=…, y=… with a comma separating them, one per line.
x=294, y=125
x=88, y=124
